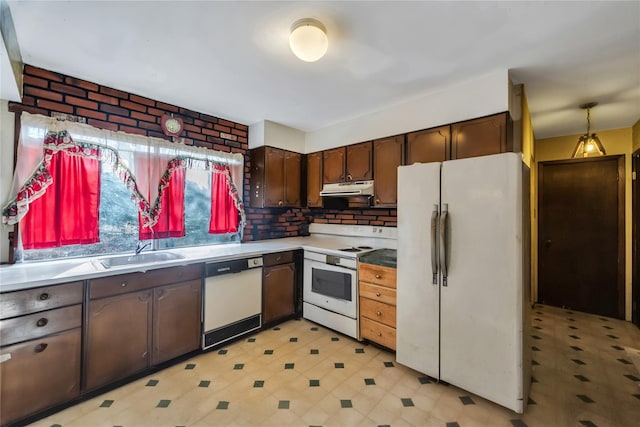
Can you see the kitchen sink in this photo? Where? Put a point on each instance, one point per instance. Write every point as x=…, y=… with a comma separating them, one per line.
x=139, y=259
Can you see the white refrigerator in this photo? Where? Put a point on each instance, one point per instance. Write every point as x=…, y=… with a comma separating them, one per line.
x=463, y=275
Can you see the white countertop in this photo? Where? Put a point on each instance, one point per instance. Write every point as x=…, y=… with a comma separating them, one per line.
x=42, y=273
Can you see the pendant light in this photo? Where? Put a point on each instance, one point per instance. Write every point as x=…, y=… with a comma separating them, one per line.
x=308, y=39
x=588, y=144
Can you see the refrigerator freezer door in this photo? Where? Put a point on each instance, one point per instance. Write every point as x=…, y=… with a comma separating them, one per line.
x=417, y=318
x=481, y=308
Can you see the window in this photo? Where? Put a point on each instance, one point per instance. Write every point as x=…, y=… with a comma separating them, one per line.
x=148, y=189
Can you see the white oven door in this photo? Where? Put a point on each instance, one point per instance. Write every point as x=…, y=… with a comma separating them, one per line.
x=330, y=287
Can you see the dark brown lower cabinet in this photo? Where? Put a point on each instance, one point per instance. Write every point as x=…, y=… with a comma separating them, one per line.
x=117, y=337
x=38, y=374
x=176, y=320
x=278, y=287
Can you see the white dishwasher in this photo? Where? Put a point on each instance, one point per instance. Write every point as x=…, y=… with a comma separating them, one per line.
x=232, y=299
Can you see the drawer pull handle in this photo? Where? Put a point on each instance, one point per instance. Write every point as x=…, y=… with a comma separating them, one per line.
x=42, y=322
x=378, y=313
x=44, y=296
x=379, y=334
x=378, y=276
x=124, y=284
x=377, y=294
x=41, y=347
x=278, y=258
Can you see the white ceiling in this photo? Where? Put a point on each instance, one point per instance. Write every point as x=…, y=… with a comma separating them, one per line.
x=232, y=59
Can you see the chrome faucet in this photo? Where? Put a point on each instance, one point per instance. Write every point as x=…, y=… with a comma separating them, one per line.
x=140, y=247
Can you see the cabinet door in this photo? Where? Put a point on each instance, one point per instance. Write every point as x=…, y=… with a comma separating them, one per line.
x=292, y=178
x=359, y=159
x=176, y=320
x=117, y=338
x=388, y=154
x=256, y=180
x=278, y=286
x=40, y=374
x=333, y=165
x=314, y=180
x=274, y=177
x=479, y=137
x=430, y=145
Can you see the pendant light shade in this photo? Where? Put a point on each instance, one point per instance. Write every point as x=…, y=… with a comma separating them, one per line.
x=308, y=39
x=588, y=144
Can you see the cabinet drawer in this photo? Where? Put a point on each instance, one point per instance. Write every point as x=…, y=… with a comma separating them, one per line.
x=37, y=325
x=378, y=293
x=377, y=332
x=377, y=274
x=380, y=312
x=277, y=258
x=39, y=374
x=38, y=299
x=124, y=283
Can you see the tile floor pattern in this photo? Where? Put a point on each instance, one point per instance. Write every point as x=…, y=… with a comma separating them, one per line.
x=301, y=374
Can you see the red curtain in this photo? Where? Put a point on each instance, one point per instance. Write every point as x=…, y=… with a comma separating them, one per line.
x=224, y=214
x=171, y=220
x=67, y=213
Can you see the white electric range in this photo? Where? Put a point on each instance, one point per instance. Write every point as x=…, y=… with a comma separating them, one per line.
x=330, y=282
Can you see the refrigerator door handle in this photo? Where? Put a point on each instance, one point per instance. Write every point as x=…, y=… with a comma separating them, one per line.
x=443, y=243
x=434, y=244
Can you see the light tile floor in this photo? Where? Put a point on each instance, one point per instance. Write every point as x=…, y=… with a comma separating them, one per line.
x=301, y=374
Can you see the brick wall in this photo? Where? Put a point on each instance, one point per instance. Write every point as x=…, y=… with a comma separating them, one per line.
x=108, y=108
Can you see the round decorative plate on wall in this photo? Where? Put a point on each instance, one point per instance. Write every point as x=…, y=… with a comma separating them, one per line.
x=171, y=126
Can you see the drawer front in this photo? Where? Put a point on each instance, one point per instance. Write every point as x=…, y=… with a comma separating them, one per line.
x=124, y=283
x=277, y=258
x=378, y=293
x=377, y=274
x=33, y=300
x=377, y=332
x=39, y=374
x=38, y=325
x=380, y=312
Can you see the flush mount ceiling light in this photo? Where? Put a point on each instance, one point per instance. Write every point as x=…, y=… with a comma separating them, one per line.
x=308, y=39
x=588, y=144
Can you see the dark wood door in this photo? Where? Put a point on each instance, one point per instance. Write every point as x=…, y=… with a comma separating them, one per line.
x=333, y=164
x=40, y=374
x=479, y=137
x=274, y=177
x=359, y=162
x=314, y=180
x=387, y=156
x=278, y=289
x=581, y=235
x=292, y=178
x=430, y=145
x=176, y=320
x=117, y=338
x=635, y=209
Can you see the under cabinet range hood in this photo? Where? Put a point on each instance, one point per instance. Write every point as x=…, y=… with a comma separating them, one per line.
x=346, y=189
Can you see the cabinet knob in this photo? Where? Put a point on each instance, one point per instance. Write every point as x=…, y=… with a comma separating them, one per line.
x=279, y=257
x=44, y=296
x=378, y=276
x=377, y=294
x=379, y=334
x=42, y=322
x=144, y=355
x=41, y=347
x=349, y=177
x=377, y=201
x=123, y=284
x=378, y=313
x=279, y=202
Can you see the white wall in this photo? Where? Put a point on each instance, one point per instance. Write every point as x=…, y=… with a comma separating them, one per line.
x=479, y=97
x=274, y=134
x=6, y=170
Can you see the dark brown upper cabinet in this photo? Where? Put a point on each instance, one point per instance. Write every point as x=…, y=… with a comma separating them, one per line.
x=387, y=156
x=480, y=137
x=429, y=145
x=350, y=163
x=275, y=178
x=314, y=179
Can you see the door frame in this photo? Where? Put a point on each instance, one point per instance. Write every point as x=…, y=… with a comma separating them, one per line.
x=635, y=245
x=620, y=285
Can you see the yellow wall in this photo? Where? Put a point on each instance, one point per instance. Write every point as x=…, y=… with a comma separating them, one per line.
x=635, y=131
x=528, y=150
x=615, y=141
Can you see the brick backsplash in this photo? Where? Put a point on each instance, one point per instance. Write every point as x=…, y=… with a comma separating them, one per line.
x=108, y=108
